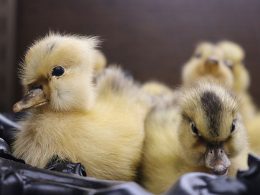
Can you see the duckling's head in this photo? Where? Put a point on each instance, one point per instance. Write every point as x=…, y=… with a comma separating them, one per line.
x=234, y=56
x=57, y=73
x=209, y=61
x=211, y=132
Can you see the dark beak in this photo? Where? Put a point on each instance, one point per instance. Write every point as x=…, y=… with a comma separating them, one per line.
x=33, y=98
x=217, y=161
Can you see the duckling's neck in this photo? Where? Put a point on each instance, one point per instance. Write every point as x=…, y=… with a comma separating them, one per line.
x=48, y=109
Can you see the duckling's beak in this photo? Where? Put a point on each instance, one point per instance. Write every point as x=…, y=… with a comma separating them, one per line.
x=212, y=63
x=33, y=98
x=217, y=161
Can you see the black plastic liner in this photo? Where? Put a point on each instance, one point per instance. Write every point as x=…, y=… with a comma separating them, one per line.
x=68, y=178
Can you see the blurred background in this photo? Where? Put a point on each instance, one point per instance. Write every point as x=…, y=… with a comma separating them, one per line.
x=152, y=39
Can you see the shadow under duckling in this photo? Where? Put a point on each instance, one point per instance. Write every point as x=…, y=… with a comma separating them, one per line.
x=100, y=125
x=202, y=132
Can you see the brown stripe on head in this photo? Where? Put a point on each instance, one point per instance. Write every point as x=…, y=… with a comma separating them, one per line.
x=212, y=106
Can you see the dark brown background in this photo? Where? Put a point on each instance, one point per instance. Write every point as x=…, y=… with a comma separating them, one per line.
x=150, y=38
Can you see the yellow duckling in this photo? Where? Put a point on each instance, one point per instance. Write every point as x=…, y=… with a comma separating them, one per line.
x=222, y=62
x=99, y=125
x=234, y=56
x=207, y=62
x=202, y=132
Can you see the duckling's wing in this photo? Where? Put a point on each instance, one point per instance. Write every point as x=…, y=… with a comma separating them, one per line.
x=114, y=83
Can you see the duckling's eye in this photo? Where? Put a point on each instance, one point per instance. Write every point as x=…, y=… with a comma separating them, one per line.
x=57, y=71
x=228, y=63
x=197, y=55
x=194, y=129
x=233, y=127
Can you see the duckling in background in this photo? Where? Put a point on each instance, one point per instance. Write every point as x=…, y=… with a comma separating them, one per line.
x=202, y=132
x=101, y=62
x=100, y=126
x=234, y=56
x=222, y=62
x=156, y=88
x=160, y=93
x=207, y=62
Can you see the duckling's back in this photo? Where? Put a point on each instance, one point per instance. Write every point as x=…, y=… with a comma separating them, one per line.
x=118, y=120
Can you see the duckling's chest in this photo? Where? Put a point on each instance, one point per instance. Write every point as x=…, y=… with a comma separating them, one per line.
x=57, y=128
x=43, y=136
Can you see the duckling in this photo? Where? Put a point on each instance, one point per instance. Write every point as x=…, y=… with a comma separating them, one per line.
x=223, y=63
x=100, y=125
x=234, y=56
x=207, y=62
x=202, y=132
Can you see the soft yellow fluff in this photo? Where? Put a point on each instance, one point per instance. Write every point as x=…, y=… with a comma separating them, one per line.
x=156, y=88
x=254, y=134
x=170, y=147
x=235, y=54
x=100, y=126
x=101, y=62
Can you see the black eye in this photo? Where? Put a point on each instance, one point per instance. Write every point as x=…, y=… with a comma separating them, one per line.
x=194, y=129
x=57, y=71
x=233, y=127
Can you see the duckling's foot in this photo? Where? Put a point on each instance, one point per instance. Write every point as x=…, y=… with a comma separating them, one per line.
x=65, y=166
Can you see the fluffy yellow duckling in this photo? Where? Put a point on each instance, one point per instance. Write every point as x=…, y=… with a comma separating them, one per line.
x=207, y=62
x=222, y=62
x=100, y=126
x=202, y=132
